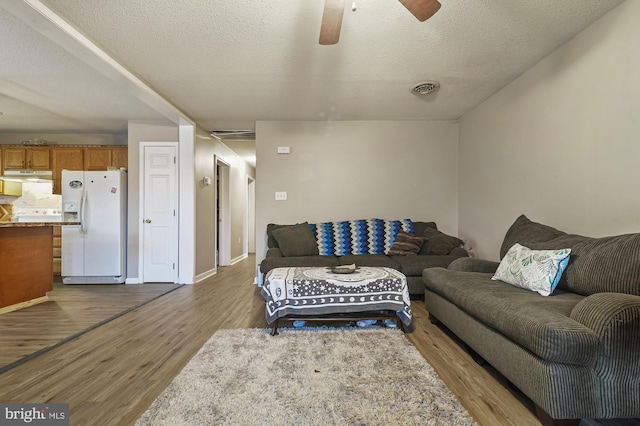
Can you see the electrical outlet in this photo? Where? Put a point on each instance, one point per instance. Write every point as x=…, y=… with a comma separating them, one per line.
x=281, y=196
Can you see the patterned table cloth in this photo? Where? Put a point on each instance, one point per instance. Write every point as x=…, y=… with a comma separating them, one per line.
x=312, y=291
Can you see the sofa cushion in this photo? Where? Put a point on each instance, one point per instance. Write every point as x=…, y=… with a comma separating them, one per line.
x=271, y=241
x=379, y=260
x=439, y=243
x=296, y=240
x=406, y=244
x=414, y=265
x=269, y=263
x=607, y=264
x=419, y=227
x=537, y=270
x=527, y=233
x=540, y=324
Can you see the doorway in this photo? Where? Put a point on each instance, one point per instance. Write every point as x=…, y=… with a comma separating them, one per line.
x=223, y=212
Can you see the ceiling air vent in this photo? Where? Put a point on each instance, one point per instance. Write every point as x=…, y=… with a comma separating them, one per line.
x=425, y=87
x=222, y=135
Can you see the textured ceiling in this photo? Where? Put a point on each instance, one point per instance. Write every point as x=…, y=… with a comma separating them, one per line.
x=228, y=63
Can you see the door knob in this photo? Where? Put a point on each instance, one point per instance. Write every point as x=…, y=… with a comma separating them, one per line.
x=147, y=221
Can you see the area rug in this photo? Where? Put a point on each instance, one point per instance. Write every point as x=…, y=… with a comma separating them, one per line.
x=307, y=377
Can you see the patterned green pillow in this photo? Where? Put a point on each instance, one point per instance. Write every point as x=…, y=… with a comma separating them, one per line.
x=536, y=270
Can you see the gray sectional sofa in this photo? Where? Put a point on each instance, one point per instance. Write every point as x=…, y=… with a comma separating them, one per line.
x=574, y=353
x=295, y=245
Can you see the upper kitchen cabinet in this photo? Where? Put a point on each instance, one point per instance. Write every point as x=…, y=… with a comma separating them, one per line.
x=120, y=157
x=97, y=158
x=65, y=159
x=100, y=158
x=31, y=158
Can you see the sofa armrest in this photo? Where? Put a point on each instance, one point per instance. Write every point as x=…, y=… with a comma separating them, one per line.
x=471, y=264
x=459, y=251
x=274, y=252
x=615, y=319
x=607, y=314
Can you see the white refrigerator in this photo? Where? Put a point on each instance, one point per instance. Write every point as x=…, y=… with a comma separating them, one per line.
x=94, y=252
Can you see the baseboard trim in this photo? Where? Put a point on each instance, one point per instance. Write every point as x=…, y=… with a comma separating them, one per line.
x=203, y=276
x=239, y=258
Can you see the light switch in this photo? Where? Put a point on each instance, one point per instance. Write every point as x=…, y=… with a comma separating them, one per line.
x=284, y=150
x=281, y=196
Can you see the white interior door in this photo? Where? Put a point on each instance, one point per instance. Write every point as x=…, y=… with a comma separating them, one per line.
x=159, y=214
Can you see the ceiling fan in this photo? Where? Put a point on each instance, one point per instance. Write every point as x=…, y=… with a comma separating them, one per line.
x=333, y=10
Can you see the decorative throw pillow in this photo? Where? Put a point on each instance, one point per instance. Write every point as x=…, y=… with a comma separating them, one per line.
x=439, y=243
x=406, y=244
x=296, y=240
x=391, y=229
x=536, y=270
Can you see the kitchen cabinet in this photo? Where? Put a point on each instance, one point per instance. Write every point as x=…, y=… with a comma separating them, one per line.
x=120, y=157
x=31, y=158
x=57, y=250
x=57, y=158
x=27, y=270
x=65, y=158
x=100, y=158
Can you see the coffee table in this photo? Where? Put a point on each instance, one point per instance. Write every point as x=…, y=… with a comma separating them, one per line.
x=318, y=294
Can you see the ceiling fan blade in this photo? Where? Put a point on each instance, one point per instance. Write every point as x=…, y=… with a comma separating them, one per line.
x=422, y=9
x=331, y=21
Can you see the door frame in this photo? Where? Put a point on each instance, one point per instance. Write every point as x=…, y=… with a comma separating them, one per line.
x=250, y=228
x=141, y=206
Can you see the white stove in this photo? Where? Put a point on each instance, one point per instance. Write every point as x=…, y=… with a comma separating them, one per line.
x=36, y=214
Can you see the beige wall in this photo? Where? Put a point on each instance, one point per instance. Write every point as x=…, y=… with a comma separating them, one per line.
x=356, y=170
x=560, y=144
x=140, y=132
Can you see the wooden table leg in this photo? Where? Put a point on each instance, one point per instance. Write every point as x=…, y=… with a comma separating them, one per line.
x=274, y=329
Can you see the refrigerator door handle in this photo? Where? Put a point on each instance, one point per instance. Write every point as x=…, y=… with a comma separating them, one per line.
x=82, y=211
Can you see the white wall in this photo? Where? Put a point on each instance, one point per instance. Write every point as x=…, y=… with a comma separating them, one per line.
x=559, y=144
x=356, y=170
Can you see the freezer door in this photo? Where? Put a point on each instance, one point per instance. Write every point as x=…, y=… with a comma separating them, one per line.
x=72, y=237
x=72, y=183
x=104, y=215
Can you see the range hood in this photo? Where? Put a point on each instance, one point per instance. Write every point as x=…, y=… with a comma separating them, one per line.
x=27, y=176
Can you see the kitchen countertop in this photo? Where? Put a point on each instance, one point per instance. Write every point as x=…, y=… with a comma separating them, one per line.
x=64, y=221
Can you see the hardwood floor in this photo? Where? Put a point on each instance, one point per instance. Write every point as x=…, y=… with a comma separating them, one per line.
x=110, y=375
x=70, y=310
